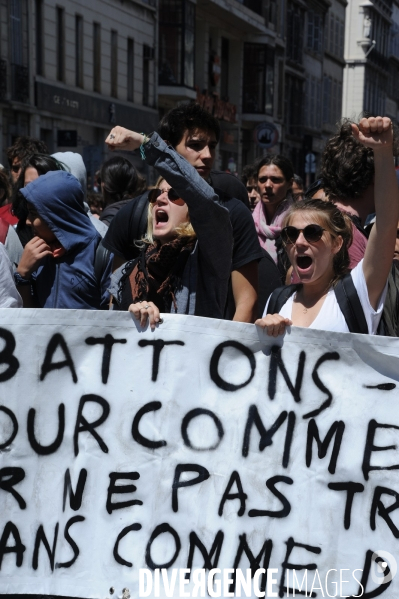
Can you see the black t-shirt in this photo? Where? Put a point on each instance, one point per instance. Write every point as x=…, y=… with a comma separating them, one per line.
x=109, y=211
x=120, y=236
x=123, y=229
x=269, y=280
x=231, y=186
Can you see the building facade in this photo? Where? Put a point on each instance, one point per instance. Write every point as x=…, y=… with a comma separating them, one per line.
x=372, y=58
x=71, y=70
x=271, y=70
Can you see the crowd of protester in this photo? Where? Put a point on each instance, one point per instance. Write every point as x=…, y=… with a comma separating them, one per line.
x=202, y=242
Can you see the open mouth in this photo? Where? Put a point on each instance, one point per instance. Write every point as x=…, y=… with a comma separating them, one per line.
x=161, y=217
x=303, y=262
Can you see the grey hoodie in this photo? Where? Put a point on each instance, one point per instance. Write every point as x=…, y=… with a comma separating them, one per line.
x=75, y=165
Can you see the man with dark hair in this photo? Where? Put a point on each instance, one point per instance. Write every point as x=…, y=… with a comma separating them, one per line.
x=250, y=180
x=347, y=171
x=177, y=128
x=194, y=133
x=23, y=148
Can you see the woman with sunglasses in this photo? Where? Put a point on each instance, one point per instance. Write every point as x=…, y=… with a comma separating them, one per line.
x=185, y=261
x=316, y=236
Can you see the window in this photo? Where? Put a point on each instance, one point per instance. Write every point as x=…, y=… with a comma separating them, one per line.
x=254, y=78
x=130, y=70
x=16, y=32
x=114, y=64
x=269, y=90
x=60, y=27
x=176, y=42
x=313, y=103
x=295, y=28
x=315, y=31
x=272, y=13
x=147, y=52
x=39, y=37
x=280, y=102
x=332, y=100
x=19, y=50
x=293, y=105
x=97, y=57
x=375, y=92
x=258, y=79
x=224, y=79
x=335, y=29
x=78, y=51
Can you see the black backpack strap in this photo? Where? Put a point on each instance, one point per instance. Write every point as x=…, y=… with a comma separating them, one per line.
x=350, y=305
x=101, y=261
x=279, y=297
x=139, y=217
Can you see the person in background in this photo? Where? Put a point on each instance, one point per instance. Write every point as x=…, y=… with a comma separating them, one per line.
x=185, y=261
x=96, y=203
x=390, y=316
x=248, y=177
x=275, y=176
x=73, y=163
x=317, y=235
x=22, y=149
x=31, y=168
x=347, y=173
x=297, y=188
x=194, y=133
x=58, y=266
x=5, y=189
x=9, y=296
x=120, y=183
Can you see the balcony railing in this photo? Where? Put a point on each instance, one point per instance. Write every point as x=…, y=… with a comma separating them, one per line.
x=3, y=79
x=255, y=5
x=20, y=83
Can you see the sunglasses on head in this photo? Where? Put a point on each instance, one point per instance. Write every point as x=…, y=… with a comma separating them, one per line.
x=172, y=196
x=311, y=233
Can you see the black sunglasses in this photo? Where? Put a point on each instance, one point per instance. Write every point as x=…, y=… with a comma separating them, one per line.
x=172, y=196
x=250, y=188
x=311, y=233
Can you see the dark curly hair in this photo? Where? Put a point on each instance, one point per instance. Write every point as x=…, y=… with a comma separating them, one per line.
x=24, y=147
x=248, y=173
x=188, y=116
x=335, y=222
x=347, y=167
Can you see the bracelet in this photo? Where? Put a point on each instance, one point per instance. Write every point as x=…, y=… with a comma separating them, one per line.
x=142, y=153
x=19, y=279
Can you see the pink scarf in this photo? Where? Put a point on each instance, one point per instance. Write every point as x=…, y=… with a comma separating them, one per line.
x=268, y=233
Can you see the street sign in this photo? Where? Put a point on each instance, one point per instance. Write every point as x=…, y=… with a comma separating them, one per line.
x=266, y=135
x=310, y=163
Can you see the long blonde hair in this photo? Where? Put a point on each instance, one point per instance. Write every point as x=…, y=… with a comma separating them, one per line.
x=183, y=230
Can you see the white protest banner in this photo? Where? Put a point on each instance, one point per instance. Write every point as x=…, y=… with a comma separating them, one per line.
x=134, y=463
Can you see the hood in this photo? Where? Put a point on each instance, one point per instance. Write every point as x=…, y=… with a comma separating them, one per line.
x=75, y=165
x=58, y=198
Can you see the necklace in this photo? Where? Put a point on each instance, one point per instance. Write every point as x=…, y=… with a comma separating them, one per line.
x=305, y=310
